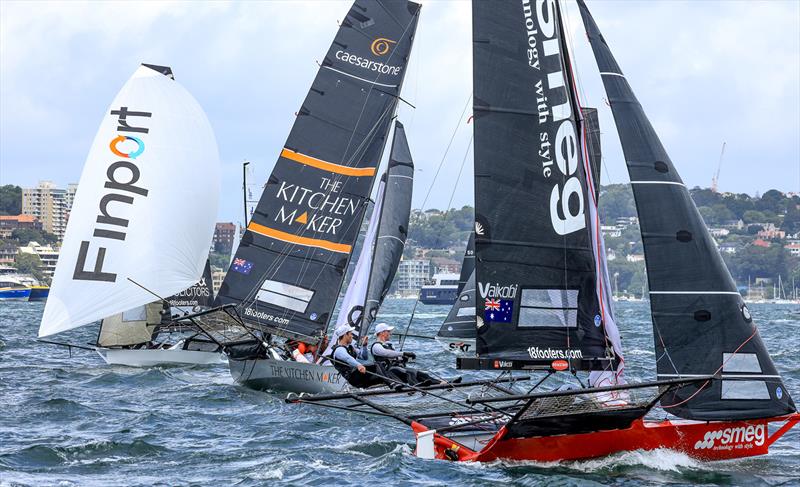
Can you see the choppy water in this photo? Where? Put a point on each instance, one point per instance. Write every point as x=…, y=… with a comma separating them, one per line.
x=76, y=421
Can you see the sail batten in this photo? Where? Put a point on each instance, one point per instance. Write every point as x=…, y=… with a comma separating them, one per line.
x=700, y=321
x=303, y=230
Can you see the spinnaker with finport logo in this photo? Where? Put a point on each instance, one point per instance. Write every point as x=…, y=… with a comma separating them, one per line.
x=536, y=271
x=293, y=257
x=126, y=242
x=701, y=324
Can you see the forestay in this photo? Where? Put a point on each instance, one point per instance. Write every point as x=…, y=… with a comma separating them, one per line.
x=293, y=257
x=130, y=221
x=701, y=324
x=536, y=274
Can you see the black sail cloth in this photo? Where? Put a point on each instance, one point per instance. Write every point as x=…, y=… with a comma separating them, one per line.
x=701, y=324
x=201, y=294
x=468, y=264
x=291, y=261
x=535, y=269
x=393, y=224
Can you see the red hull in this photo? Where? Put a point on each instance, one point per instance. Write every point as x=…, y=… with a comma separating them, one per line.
x=717, y=440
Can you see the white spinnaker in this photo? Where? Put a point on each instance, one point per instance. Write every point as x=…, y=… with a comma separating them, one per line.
x=167, y=232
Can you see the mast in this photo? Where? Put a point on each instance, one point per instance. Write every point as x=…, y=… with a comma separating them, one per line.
x=293, y=257
x=701, y=324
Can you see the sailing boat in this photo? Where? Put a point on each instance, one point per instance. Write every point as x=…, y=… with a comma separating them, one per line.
x=543, y=300
x=291, y=262
x=123, y=246
x=457, y=333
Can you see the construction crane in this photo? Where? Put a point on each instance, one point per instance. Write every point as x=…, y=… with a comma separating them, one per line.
x=715, y=179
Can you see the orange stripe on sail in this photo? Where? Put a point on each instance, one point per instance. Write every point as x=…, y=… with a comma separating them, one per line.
x=296, y=239
x=327, y=166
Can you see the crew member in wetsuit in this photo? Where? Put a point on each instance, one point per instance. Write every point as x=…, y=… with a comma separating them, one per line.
x=344, y=360
x=393, y=362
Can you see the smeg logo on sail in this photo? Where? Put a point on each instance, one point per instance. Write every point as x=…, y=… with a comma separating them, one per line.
x=559, y=152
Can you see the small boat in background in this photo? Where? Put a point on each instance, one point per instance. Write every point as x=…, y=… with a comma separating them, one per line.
x=11, y=289
x=39, y=293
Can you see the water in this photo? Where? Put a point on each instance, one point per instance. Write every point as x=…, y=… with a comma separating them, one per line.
x=76, y=421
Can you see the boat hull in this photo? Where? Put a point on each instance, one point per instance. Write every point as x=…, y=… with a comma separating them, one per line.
x=282, y=375
x=156, y=357
x=39, y=293
x=14, y=294
x=715, y=440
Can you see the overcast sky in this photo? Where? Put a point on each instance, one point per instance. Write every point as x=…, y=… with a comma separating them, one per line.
x=706, y=72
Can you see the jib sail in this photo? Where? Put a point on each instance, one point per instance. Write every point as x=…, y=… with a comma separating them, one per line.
x=200, y=294
x=468, y=264
x=535, y=267
x=293, y=257
x=393, y=223
x=460, y=321
x=154, y=150
x=701, y=324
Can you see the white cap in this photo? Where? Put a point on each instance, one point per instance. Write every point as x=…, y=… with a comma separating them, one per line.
x=343, y=330
x=383, y=327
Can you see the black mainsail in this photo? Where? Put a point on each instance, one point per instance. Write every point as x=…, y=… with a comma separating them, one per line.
x=292, y=259
x=200, y=294
x=393, y=224
x=701, y=324
x=535, y=271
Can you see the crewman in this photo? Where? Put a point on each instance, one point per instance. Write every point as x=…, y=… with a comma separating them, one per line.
x=304, y=352
x=393, y=362
x=344, y=355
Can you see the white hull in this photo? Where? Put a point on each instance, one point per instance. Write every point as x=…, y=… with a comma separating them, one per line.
x=154, y=357
x=288, y=376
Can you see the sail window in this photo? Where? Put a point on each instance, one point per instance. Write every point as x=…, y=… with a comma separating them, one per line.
x=138, y=313
x=702, y=315
x=744, y=389
x=548, y=308
x=466, y=311
x=740, y=362
x=661, y=166
x=285, y=295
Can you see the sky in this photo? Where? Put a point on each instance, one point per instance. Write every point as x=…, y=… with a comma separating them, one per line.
x=706, y=73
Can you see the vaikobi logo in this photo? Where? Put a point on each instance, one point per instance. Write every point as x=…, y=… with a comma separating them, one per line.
x=730, y=438
x=381, y=46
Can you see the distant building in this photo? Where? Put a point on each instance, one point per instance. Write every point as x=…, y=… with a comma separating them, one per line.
x=612, y=231
x=760, y=243
x=634, y=257
x=224, y=235
x=445, y=265
x=217, y=276
x=47, y=254
x=8, y=254
x=412, y=274
x=50, y=205
x=719, y=232
x=771, y=231
x=611, y=255
x=793, y=249
x=10, y=223
x=728, y=248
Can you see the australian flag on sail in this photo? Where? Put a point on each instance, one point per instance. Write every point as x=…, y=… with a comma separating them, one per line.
x=498, y=310
x=241, y=266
